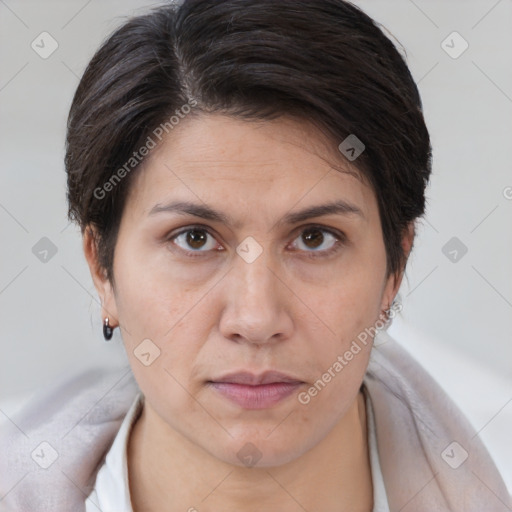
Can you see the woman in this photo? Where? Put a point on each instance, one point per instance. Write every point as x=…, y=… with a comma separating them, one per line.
x=247, y=176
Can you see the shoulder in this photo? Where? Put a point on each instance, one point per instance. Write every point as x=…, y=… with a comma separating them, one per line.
x=52, y=448
x=423, y=438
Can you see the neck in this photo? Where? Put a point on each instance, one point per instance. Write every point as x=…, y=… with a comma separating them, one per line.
x=168, y=472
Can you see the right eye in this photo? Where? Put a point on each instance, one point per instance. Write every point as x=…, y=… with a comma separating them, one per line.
x=192, y=239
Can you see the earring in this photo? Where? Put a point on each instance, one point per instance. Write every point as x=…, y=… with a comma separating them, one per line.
x=107, y=330
x=394, y=308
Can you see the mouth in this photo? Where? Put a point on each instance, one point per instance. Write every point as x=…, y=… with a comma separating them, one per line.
x=255, y=391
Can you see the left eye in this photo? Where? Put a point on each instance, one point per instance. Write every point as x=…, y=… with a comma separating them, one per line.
x=322, y=240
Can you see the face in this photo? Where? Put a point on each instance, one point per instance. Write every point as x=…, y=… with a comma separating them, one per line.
x=255, y=289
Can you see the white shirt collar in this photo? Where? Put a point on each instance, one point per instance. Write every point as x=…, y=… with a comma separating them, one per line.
x=111, y=491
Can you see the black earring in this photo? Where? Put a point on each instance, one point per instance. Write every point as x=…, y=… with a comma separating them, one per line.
x=107, y=330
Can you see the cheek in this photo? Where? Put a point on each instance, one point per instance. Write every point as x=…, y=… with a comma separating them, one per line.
x=164, y=324
x=335, y=388
x=350, y=304
x=148, y=302
x=346, y=315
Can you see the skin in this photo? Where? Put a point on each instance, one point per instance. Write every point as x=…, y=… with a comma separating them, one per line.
x=217, y=313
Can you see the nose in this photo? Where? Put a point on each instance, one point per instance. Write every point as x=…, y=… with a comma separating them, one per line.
x=257, y=303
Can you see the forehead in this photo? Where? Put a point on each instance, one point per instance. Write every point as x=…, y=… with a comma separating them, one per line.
x=214, y=158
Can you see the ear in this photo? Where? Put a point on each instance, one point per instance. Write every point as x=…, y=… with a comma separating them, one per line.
x=99, y=277
x=395, y=280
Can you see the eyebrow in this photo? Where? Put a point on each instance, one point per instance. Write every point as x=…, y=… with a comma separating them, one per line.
x=203, y=211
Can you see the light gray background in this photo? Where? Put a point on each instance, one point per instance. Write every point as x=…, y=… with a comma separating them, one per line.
x=456, y=317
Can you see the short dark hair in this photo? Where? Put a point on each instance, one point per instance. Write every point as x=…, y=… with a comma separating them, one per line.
x=324, y=61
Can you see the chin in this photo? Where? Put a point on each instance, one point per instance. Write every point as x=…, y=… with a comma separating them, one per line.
x=262, y=452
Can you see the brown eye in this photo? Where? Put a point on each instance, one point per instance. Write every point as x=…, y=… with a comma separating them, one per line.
x=313, y=237
x=316, y=241
x=194, y=240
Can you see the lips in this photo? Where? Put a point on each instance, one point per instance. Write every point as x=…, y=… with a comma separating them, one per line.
x=251, y=379
x=255, y=391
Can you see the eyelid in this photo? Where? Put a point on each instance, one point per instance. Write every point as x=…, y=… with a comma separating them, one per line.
x=333, y=231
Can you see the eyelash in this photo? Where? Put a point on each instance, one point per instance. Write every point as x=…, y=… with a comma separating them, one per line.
x=340, y=240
